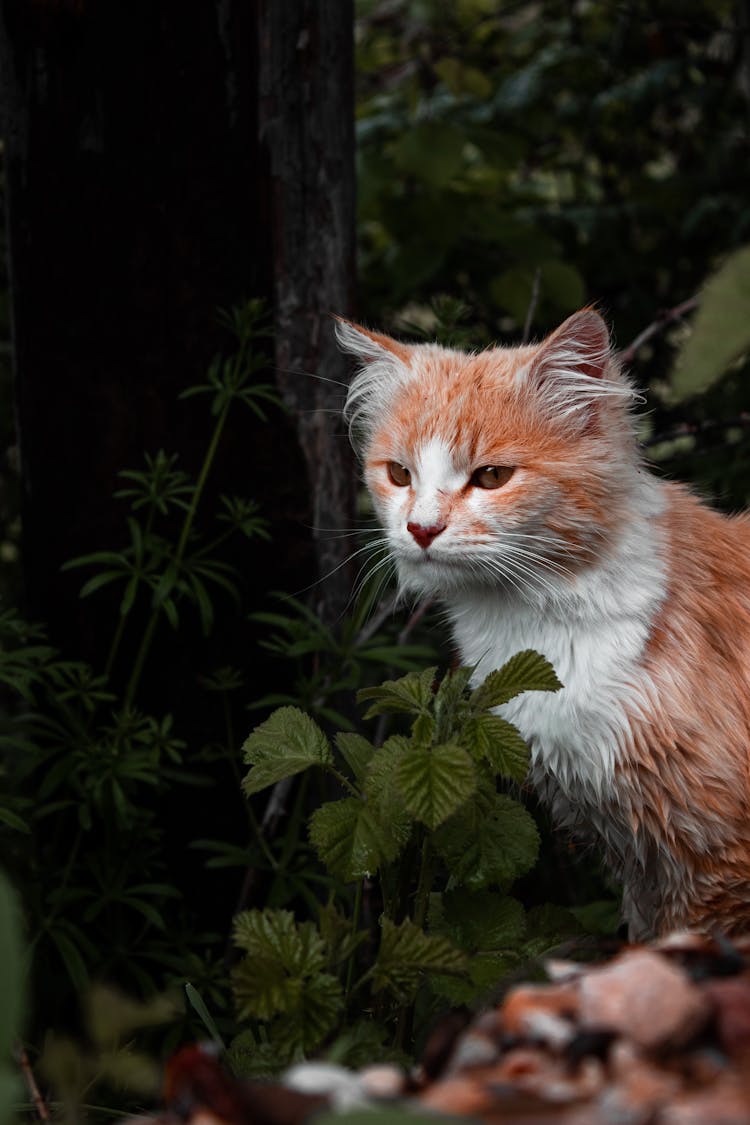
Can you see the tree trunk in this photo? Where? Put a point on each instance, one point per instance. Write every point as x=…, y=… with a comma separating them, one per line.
x=134, y=205
x=307, y=130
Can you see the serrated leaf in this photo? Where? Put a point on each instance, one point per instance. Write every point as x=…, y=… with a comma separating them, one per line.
x=349, y=839
x=435, y=781
x=356, y=752
x=526, y=671
x=275, y=934
x=488, y=843
x=262, y=988
x=412, y=694
x=383, y=792
x=284, y=960
x=423, y=730
x=450, y=699
x=482, y=921
x=499, y=742
x=406, y=953
x=720, y=330
x=486, y=972
x=314, y=1014
x=286, y=743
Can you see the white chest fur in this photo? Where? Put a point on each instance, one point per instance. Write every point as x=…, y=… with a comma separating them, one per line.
x=594, y=634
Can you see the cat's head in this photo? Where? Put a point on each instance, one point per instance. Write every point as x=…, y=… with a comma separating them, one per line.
x=508, y=467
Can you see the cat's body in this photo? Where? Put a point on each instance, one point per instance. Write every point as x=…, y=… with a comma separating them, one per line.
x=509, y=485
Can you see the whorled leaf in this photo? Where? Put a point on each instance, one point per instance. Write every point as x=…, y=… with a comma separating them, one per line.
x=286, y=743
x=526, y=671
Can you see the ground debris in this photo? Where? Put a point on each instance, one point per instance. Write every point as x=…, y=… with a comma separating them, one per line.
x=656, y=1035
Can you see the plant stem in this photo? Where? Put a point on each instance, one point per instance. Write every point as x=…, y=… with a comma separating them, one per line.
x=355, y=925
x=187, y=526
x=424, y=885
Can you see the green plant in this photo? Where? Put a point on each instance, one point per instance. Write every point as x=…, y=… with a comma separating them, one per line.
x=86, y=769
x=429, y=843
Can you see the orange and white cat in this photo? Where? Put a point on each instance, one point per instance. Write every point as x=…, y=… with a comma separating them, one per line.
x=509, y=483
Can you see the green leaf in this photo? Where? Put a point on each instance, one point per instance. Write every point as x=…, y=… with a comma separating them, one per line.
x=431, y=151
x=435, y=781
x=721, y=328
x=283, y=976
x=314, y=1013
x=488, y=841
x=526, y=671
x=549, y=925
x=12, y=820
x=412, y=694
x=488, y=736
x=450, y=699
x=275, y=934
x=356, y=752
x=482, y=920
x=382, y=789
x=349, y=839
x=406, y=953
x=286, y=743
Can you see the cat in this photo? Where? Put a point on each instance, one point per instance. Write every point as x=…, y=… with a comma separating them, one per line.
x=509, y=483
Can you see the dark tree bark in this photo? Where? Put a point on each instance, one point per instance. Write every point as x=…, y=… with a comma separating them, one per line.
x=140, y=200
x=307, y=130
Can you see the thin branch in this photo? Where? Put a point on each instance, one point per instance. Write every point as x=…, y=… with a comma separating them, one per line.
x=531, y=311
x=384, y=610
x=695, y=429
x=414, y=620
x=666, y=317
x=36, y=1096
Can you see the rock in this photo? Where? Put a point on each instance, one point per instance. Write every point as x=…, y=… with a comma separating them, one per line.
x=643, y=996
x=382, y=1081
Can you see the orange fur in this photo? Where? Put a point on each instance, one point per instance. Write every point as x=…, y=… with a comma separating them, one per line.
x=638, y=593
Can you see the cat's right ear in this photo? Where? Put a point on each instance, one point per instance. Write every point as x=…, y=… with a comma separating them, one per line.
x=384, y=366
x=368, y=346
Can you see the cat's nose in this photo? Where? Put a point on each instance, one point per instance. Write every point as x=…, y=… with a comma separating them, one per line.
x=425, y=535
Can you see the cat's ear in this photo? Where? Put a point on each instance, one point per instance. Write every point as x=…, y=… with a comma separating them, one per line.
x=574, y=366
x=366, y=345
x=384, y=366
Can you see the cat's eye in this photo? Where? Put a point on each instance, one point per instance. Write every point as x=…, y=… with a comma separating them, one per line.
x=492, y=476
x=399, y=474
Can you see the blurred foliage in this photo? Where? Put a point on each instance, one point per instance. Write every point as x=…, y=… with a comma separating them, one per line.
x=524, y=159
x=12, y=989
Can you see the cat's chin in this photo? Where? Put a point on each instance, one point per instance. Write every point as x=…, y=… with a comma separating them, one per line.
x=433, y=576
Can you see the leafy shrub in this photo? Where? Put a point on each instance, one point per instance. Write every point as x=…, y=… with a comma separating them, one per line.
x=425, y=835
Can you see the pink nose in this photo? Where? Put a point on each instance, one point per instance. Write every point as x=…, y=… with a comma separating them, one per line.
x=425, y=535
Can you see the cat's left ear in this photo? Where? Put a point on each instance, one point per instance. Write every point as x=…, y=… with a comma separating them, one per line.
x=579, y=347
x=574, y=367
